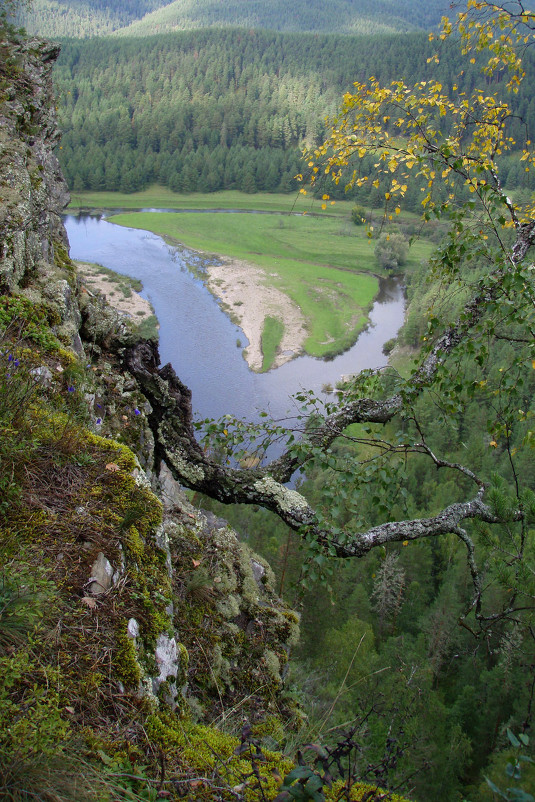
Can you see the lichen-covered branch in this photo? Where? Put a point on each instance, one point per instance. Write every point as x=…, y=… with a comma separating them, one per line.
x=171, y=421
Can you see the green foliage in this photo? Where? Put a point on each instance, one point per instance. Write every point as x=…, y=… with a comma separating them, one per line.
x=358, y=215
x=302, y=783
x=391, y=251
x=20, y=318
x=24, y=595
x=9, y=8
x=135, y=784
x=228, y=111
x=513, y=770
x=104, y=16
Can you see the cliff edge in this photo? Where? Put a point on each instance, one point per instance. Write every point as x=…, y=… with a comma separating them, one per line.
x=138, y=636
x=142, y=646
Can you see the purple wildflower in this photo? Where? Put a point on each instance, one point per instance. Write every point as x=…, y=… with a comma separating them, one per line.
x=70, y=388
x=137, y=412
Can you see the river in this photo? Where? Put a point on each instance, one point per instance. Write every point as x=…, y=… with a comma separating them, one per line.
x=200, y=341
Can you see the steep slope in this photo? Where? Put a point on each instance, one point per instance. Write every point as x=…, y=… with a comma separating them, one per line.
x=156, y=608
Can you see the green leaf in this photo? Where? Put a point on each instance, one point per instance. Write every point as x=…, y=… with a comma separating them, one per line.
x=513, y=739
x=314, y=784
x=297, y=774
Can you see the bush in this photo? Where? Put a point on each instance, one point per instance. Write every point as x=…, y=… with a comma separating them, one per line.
x=391, y=251
x=358, y=215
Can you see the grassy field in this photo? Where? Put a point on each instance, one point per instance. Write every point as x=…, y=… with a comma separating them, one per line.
x=324, y=264
x=158, y=197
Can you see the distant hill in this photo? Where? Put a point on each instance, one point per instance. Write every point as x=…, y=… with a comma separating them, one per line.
x=349, y=16
x=86, y=18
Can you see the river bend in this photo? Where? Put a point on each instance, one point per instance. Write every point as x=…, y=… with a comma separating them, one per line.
x=198, y=338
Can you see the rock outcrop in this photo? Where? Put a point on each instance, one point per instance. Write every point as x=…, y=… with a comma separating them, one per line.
x=143, y=648
x=164, y=621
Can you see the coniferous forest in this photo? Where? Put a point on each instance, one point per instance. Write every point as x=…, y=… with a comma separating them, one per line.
x=229, y=109
x=83, y=18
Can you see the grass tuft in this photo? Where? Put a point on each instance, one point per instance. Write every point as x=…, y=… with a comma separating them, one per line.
x=271, y=338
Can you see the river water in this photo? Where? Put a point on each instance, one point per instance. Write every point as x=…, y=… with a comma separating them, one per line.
x=200, y=341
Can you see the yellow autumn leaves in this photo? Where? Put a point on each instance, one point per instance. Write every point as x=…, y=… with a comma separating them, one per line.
x=424, y=132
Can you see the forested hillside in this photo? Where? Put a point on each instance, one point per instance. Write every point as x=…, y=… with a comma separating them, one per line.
x=86, y=18
x=83, y=18
x=227, y=109
x=343, y=16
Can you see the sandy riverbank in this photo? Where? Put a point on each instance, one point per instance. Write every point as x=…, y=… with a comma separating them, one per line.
x=131, y=304
x=241, y=288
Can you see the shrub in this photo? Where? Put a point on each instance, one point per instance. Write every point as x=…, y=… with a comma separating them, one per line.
x=391, y=251
x=358, y=215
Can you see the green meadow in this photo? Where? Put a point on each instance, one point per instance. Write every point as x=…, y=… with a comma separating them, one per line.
x=325, y=264
x=271, y=338
x=158, y=197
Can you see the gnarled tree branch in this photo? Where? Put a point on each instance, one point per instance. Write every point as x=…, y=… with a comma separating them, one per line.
x=171, y=421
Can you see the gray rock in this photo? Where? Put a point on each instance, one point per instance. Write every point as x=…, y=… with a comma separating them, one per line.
x=43, y=375
x=166, y=658
x=171, y=492
x=101, y=578
x=167, y=662
x=258, y=572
